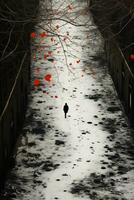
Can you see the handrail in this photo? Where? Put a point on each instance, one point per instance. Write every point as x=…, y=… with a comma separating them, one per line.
x=124, y=59
x=126, y=63
x=12, y=90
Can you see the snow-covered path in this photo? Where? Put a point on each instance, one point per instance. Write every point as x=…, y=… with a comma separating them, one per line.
x=88, y=155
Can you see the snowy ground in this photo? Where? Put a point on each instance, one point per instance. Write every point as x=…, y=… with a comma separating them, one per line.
x=89, y=155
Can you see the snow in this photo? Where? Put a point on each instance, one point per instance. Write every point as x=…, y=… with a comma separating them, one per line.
x=45, y=170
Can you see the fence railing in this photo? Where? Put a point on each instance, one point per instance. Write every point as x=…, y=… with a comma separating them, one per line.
x=122, y=76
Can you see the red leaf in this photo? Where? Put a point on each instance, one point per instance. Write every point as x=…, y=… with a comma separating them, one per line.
x=33, y=35
x=36, y=82
x=132, y=56
x=43, y=34
x=48, y=77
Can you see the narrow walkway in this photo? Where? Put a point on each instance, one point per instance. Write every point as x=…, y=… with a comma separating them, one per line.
x=88, y=155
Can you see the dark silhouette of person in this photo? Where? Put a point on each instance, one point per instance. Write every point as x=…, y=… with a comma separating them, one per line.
x=65, y=109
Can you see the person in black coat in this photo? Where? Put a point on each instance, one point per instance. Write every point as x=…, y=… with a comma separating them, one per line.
x=65, y=109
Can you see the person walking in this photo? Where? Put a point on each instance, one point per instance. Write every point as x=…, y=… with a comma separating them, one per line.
x=65, y=109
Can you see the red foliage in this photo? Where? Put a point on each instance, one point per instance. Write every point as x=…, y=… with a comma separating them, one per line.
x=43, y=34
x=48, y=77
x=36, y=82
x=33, y=35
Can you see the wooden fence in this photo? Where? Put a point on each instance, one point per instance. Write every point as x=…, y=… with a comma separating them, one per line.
x=122, y=75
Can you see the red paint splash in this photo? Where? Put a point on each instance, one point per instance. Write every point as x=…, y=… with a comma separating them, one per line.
x=43, y=34
x=36, y=82
x=48, y=77
x=33, y=35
